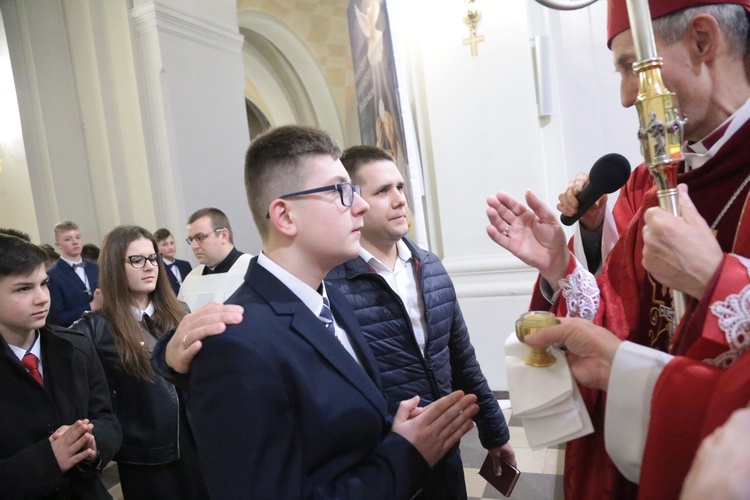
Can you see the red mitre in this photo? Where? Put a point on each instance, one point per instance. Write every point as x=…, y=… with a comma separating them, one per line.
x=617, y=12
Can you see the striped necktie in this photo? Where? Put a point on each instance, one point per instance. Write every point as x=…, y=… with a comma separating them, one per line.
x=326, y=316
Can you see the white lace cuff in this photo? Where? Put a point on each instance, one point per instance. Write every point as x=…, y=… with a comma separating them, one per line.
x=581, y=293
x=734, y=320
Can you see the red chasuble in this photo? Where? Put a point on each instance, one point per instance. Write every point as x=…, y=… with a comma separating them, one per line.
x=632, y=304
x=691, y=397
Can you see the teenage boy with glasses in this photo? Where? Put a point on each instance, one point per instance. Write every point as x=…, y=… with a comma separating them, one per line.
x=283, y=405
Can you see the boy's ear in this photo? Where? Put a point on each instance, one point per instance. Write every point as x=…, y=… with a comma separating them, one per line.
x=281, y=217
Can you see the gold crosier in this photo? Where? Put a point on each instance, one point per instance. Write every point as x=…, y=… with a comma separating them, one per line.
x=661, y=125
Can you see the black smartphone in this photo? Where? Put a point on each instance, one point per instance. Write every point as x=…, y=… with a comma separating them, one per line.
x=504, y=483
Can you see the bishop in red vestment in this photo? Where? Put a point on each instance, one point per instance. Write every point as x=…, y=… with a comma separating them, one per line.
x=626, y=298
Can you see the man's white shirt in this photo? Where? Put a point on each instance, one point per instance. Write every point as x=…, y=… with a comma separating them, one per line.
x=403, y=281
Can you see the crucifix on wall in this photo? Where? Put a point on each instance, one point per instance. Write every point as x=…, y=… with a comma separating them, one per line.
x=472, y=18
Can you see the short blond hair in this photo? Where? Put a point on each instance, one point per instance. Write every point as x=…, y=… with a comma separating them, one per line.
x=62, y=226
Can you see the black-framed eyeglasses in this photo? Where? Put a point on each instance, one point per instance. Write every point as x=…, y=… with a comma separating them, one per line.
x=346, y=193
x=202, y=236
x=139, y=261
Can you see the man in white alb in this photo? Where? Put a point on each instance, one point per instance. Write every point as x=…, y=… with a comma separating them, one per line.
x=222, y=268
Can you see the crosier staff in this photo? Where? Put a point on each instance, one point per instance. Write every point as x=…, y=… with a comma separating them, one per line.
x=661, y=125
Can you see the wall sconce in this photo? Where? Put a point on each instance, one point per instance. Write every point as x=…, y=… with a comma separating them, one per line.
x=473, y=15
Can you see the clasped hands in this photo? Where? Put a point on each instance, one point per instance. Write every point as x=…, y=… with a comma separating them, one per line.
x=72, y=444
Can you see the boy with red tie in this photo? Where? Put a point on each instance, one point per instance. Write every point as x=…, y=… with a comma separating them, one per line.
x=54, y=395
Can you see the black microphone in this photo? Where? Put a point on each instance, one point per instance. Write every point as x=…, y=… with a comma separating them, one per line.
x=609, y=173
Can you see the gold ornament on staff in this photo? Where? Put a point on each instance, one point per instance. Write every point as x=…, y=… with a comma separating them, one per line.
x=528, y=324
x=661, y=124
x=473, y=15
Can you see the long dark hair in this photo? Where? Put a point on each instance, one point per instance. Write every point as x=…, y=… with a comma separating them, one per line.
x=118, y=300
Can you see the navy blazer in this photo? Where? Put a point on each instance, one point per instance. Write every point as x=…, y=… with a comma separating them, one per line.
x=74, y=388
x=184, y=268
x=281, y=410
x=68, y=295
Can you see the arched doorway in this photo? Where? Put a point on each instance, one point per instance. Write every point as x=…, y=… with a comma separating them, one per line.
x=283, y=80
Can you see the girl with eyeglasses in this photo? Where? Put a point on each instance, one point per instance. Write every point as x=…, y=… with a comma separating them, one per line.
x=157, y=458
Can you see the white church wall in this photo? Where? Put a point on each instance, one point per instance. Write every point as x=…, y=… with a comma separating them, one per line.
x=16, y=201
x=216, y=12
x=50, y=116
x=192, y=99
x=588, y=108
x=480, y=132
x=122, y=123
x=106, y=95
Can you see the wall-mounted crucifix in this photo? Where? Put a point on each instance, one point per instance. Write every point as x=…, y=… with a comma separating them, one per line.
x=472, y=18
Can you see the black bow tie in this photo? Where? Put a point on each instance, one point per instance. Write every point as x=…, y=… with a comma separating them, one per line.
x=169, y=266
x=78, y=264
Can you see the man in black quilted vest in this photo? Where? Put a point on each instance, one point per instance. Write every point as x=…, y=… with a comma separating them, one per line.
x=407, y=307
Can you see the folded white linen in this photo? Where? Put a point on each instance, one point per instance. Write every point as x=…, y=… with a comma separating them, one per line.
x=546, y=399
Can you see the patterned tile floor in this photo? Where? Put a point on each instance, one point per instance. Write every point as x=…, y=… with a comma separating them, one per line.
x=541, y=470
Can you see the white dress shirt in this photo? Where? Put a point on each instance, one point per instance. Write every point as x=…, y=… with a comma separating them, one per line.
x=310, y=297
x=36, y=350
x=175, y=270
x=402, y=280
x=79, y=271
x=139, y=314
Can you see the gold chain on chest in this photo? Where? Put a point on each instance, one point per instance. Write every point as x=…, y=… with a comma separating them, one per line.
x=728, y=205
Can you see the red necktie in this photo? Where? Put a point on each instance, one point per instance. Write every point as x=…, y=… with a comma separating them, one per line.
x=31, y=363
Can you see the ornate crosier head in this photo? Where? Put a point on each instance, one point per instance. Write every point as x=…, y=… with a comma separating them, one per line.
x=528, y=324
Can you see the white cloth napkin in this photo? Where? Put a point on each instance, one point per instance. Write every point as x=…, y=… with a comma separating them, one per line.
x=547, y=399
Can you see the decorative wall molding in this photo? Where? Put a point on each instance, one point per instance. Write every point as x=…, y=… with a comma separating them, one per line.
x=155, y=121
x=502, y=287
x=482, y=264
x=192, y=118
x=493, y=276
x=149, y=17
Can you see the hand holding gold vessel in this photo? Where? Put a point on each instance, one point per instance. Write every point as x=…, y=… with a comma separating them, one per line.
x=528, y=324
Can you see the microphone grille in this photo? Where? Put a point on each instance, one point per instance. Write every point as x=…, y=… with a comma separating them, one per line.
x=610, y=172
